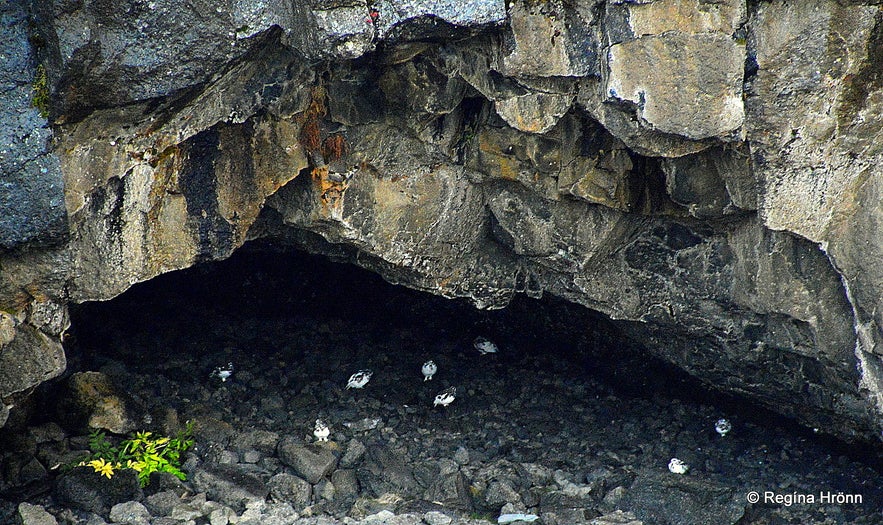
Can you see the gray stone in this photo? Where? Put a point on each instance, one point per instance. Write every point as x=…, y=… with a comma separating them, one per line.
x=264, y=441
x=34, y=515
x=567, y=517
x=535, y=112
x=694, y=88
x=31, y=184
x=22, y=470
x=185, y=512
x=817, y=148
x=500, y=492
x=229, y=484
x=188, y=510
x=437, y=518
x=537, y=475
x=129, y=513
x=355, y=451
x=222, y=516
x=166, y=481
x=83, y=488
x=251, y=456
x=390, y=473
x=711, y=183
x=28, y=359
x=681, y=93
x=187, y=45
x=449, y=487
x=656, y=497
x=311, y=462
x=346, y=485
x=95, y=398
x=162, y=503
x=47, y=433
x=399, y=21
x=617, y=518
x=292, y=489
x=551, y=39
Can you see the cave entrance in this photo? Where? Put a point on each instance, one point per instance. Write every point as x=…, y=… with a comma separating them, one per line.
x=568, y=421
x=264, y=303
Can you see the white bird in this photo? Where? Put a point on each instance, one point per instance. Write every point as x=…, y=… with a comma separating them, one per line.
x=321, y=431
x=485, y=345
x=429, y=369
x=445, y=397
x=223, y=373
x=723, y=427
x=676, y=466
x=359, y=379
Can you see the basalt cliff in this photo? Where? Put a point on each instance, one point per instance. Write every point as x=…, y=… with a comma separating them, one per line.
x=706, y=173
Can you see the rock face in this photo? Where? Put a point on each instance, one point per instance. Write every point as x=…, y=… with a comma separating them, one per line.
x=704, y=173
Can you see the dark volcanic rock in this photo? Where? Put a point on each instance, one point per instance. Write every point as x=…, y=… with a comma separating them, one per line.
x=31, y=183
x=386, y=472
x=230, y=484
x=94, y=398
x=286, y=487
x=129, y=513
x=681, y=499
x=34, y=515
x=83, y=488
x=311, y=462
x=450, y=487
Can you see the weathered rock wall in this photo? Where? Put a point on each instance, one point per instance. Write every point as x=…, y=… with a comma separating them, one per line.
x=704, y=173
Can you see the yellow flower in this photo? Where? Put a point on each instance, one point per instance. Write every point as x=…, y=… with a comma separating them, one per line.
x=102, y=467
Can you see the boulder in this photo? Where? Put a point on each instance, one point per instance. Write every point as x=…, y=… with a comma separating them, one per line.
x=129, y=513
x=83, y=488
x=450, y=487
x=310, y=462
x=681, y=499
x=230, y=484
x=93, y=400
x=34, y=515
x=292, y=489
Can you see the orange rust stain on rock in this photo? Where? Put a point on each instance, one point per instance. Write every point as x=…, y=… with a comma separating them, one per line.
x=330, y=192
x=507, y=169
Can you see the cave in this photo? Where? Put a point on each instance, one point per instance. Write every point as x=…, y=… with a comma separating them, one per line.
x=570, y=420
x=634, y=245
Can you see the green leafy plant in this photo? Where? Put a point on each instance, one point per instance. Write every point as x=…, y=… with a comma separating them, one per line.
x=142, y=452
x=40, y=99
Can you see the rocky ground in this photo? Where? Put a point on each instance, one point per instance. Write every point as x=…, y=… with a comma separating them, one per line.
x=574, y=428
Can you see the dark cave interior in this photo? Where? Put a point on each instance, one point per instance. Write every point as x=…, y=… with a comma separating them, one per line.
x=567, y=390
x=264, y=281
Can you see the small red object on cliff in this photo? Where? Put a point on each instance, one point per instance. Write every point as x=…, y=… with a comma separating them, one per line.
x=373, y=15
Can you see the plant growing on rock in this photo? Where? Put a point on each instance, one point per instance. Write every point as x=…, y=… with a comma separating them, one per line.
x=141, y=452
x=40, y=87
